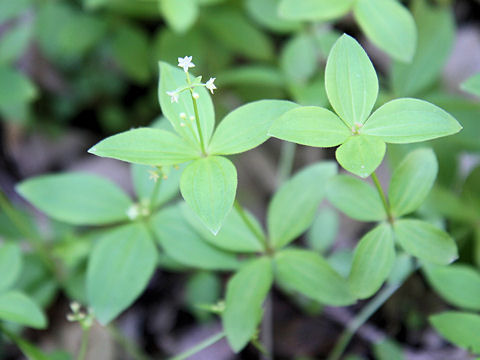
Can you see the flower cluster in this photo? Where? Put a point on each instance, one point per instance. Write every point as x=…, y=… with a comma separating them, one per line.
x=186, y=63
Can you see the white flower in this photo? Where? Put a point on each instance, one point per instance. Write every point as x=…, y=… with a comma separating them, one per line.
x=195, y=95
x=186, y=63
x=173, y=96
x=210, y=85
x=183, y=115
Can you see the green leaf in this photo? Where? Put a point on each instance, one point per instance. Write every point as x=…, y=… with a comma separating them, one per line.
x=436, y=33
x=308, y=273
x=146, y=146
x=388, y=350
x=10, y=9
x=75, y=198
x=425, y=241
x=472, y=85
x=265, y=13
x=312, y=126
x=361, y=154
x=356, y=198
x=144, y=184
x=293, y=208
x=252, y=75
x=389, y=25
x=234, y=235
x=202, y=290
x=403, y=121
x=412, y=181
x=131, y=50
x=10, y=264
x=313, y=10
x=373, y=260
x=247, y=126
x=183, y=244
x=15, y=41
x=457, y=283
x=180, y=16
x=18, y=308
x=246, y=292
x=243, y=38
x=460, y=328
x=171, y=79
x=119, y=269
x=351, y=81
x=16, y=91
x=324, y=230
x=209, y=185
x=298, y=59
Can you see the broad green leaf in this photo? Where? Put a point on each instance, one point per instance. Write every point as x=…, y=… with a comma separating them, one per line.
x=361, y=154
x=298, y=59
x=14, y=42
x=247, y=126
x=202, y=290
x=252, y=75
x=246, y=292
x=411, y=181
x=16, y=91
x=425, y=241
x=310, y=94
x=341, y=261
x=311, y=275
x=29, y=350
x=471, y=189
x=436, y=32
x=403, y=121
x=460, y=328
x=373, y=260
x=76, y=198
x=293, y=208
x=356, y=198
x=351, y=81
x=119, y=269
x=235, y=235
x=324, y=230
x=144, y=184
x=10, y=264
x=131, y=50
x=444, y=202
x=403, y=267
x=472, y=85
x=389, y=25
x=457, y=283
x=209, y=185
x=182, y=243
x=18, y=308
x=180, y=16
x=146, y=146
x=243, y=38
x=388, y=350
x=171, y=79
x=312, y=126
x=10, y=9
x=313, y=10
x=265, y=13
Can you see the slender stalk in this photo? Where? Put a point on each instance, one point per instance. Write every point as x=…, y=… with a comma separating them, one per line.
x=197, y=116
x=382, y=196
x=267, y=329
x=197, y=348
x=250, y=224
x=130, y=347
x=361, y=318
x=285, y=164
x=84, y=345
x=154, y=195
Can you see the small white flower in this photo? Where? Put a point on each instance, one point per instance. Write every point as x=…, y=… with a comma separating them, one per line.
x=195, y=96
x=173, y=96
x=183, y=116
x=153, y=175
x=185, y=63
x=182, y=124
x=192, y=117
x=210, y=85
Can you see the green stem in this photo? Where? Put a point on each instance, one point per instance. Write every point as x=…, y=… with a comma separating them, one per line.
x=197, y=116
x=84, y=345
x=285, y=164
x=382, y=196
x=249, y=223
x=130, y=347
x=29, y=235
x=197, y=348
x=154, y=195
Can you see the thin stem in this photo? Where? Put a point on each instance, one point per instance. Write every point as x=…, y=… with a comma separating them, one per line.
x=197, y=116
x=154, y=195
x=267, y=328
x=130, y=347
x=84, y=345
x=285, y=164
x=249, y=223
x=197, y=348
x=382, y=196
